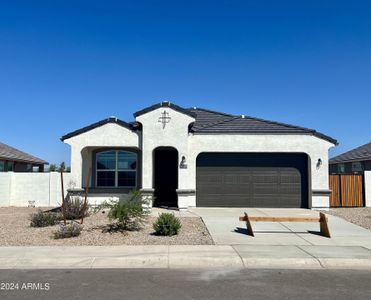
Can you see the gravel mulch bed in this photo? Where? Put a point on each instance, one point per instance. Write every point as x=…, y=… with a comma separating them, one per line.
x=358, y=215
x=15, y=230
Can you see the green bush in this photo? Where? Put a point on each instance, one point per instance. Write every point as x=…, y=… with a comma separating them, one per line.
x=69, y=230
x=127, y=211
x=167, y=224
x=43, y=219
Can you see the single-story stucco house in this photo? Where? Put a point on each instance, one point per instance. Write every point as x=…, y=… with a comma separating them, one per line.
x=199, y=157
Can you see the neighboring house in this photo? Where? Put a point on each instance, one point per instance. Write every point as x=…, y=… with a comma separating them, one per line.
x=198, y=157
x=355, y=161
x=12, y=159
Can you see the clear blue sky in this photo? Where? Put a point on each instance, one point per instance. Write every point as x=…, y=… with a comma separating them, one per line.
x=67, y=64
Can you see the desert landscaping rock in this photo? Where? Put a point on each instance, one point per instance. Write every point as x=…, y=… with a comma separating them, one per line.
x=360, y=216
x=15, y=230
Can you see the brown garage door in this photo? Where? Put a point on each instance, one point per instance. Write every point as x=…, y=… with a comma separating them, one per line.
x=252, y=180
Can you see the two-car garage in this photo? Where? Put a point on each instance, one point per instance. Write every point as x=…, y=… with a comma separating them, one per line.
x=252, y=180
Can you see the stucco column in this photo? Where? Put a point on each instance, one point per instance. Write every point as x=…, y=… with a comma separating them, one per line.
x=147, y=176
x=86, y=155
x=186, y=182
x=147, y=169
x=76, y=166
x=319, y=188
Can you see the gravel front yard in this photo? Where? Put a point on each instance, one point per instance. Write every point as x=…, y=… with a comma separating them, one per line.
x=357, y=215
x=15, y=230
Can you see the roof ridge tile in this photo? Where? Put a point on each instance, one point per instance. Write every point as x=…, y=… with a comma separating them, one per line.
x=211, y=111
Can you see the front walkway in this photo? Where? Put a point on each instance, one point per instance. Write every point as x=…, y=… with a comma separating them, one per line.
x=226, y=229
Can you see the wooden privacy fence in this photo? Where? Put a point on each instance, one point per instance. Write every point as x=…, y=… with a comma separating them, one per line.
x=346, y=190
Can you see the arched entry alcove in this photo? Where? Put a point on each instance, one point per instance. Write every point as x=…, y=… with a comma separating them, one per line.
x=165, y=176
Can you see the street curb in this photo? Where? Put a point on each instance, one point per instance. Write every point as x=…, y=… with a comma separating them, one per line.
x=173, y=257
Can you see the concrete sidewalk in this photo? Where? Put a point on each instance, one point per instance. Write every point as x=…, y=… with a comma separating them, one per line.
x=191, y=257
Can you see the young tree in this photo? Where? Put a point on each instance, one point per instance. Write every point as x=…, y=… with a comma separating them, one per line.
x=53, y=168
x=62, y=166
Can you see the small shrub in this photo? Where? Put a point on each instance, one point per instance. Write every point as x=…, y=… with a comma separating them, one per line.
x=74, y=208
x=69, y=230
x=43, y=219
x=127, y=211
x=167, y=224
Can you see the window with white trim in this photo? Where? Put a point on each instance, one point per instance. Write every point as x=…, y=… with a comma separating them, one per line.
x=116, y=168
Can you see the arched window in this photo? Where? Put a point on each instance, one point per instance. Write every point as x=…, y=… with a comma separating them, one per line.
x=116, y=168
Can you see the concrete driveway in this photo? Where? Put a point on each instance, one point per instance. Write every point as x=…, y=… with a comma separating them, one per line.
x=226, y=229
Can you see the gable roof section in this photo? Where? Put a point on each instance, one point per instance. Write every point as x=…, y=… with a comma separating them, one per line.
x=9, y=153
x=164, y=104
x=114, y=120
x=358, y=154
x=215, y=122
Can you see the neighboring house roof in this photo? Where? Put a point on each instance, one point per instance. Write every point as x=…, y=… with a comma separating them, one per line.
x=12, y=154
x=213, y=122
x=358, y=154
x=164, y=104
x=115, y=120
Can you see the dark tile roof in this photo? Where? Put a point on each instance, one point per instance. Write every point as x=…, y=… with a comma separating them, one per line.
x=12, y=154
x=214, y=122
x=131, y=126
x=358, y=154
x=164, y=104
x=206, y=117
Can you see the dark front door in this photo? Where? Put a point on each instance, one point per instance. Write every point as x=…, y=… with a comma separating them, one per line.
x=166, y=176
x=252, y=180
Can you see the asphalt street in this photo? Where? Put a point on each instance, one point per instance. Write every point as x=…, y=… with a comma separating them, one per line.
x=184, y=284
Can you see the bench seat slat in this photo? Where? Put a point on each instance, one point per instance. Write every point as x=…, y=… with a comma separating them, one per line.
x=281, y=219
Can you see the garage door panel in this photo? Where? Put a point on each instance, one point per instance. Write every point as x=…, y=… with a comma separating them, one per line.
x=233, y=200
x=261, y=180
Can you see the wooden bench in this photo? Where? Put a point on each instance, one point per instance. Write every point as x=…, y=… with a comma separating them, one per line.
x=322, y=219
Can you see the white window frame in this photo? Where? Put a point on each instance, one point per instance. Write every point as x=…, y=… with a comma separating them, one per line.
x=116, y=170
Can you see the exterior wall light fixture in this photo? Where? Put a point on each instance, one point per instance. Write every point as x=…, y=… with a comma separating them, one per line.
x=319, y=163
x=183, y=163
